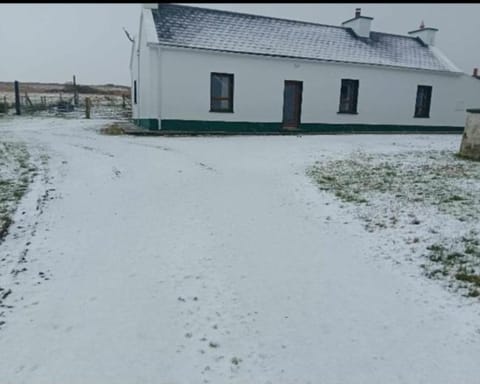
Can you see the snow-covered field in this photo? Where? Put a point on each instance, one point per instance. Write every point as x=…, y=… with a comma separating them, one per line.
x=219, y=260
x=426, y=203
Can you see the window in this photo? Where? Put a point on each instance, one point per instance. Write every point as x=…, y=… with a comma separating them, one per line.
x=422, y=104
x=221, y=92
x=348, y=96
x=134, y=91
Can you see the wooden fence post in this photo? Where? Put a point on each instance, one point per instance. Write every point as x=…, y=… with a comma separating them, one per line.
x=4, y=106
x=17, y=98
x=75, y=92
x=87, y=108
x=27, y=100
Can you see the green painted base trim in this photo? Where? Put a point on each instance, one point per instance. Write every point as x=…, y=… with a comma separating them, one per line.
x=151, y=124
x=242, y=128
x=215, y=127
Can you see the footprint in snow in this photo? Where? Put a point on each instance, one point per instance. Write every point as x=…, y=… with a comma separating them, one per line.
x=116, y=172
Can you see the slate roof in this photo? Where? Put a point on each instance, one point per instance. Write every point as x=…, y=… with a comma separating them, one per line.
x=203, y=28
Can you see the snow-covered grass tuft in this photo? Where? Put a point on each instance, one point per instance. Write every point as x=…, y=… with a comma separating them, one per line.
x=16, y=173
x=112, y=129
x=411, y=193
x=457, y=260
x=437, y=178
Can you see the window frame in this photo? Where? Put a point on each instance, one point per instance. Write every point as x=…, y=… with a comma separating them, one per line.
x=425, y=114
x=229, y=109
x=354, y=110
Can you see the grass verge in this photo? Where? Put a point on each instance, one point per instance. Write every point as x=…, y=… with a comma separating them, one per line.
x=16, y=173
x=431, y=195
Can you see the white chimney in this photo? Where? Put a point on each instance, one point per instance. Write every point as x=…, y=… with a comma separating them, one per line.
x=359, y=24
x=426, y=34
x=150, y=5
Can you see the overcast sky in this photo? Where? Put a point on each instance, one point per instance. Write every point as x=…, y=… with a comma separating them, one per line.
x=52, y=42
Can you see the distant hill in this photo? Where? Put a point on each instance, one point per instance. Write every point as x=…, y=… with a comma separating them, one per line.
x=105, y=89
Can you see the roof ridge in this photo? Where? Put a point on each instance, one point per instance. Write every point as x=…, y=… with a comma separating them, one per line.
x=253, y=15
x=394, y=34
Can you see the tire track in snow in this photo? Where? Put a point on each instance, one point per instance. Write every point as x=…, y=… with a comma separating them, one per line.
x=167, y=148
x=92, y=149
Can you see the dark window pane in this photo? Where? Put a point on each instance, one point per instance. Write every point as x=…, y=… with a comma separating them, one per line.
x=348, y=96
x=221, y=98
x=422, y=101
x=218, y=104
x=220, y=86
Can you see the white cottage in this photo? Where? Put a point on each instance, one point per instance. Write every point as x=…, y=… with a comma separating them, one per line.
x=198, y=70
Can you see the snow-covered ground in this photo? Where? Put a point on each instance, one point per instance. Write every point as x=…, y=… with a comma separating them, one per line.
x=214, y=260
x=426, y=203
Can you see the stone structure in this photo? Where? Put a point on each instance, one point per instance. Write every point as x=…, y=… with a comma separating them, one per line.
x=470, y=147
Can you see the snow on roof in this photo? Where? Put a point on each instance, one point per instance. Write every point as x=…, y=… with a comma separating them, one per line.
x=203, y=28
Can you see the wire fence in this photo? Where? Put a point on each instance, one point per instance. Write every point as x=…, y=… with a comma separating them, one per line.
x=94, y=106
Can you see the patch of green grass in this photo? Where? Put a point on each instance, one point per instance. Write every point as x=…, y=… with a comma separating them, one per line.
x=112, y=129
x=470, y=278
x=408, y=184
x=453, y=198
x=473, y=293
x=458, y=260
x=459, y=156
x=5, y=222
x=430, y=177
x=15, y=177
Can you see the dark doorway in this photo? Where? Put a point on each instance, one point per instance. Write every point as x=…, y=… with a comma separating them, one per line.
x=292, y=103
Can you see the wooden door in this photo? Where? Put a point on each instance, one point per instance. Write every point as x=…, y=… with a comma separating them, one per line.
x=292, y=103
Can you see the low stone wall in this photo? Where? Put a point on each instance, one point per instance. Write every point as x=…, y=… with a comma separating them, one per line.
x=470, y=147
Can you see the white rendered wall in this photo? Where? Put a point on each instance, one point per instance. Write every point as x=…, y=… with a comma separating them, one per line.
x=145, y=70
x=386, y=96
x=133, y=78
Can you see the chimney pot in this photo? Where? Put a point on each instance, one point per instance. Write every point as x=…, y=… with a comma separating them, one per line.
x=358, y=12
